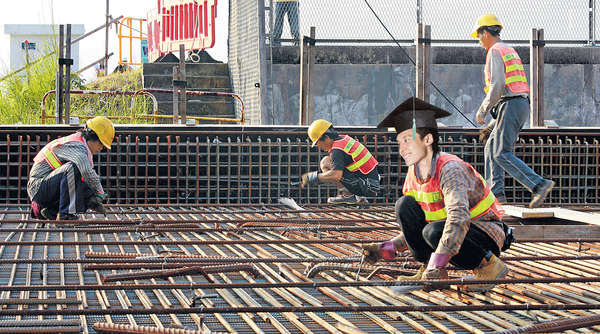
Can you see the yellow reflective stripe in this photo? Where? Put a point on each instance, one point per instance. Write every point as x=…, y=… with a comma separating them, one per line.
x=425, y=197
x=514, y=67
x=510, y=56
x=483, y=206
x=358, y=150
x=360, y=162
x=515, y=78
x=52, y=159
x=432, y=216
x=349, y=145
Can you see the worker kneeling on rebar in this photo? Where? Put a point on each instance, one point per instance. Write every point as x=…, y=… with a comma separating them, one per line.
x=62, y=181
x=349, y=165
x=447, y=214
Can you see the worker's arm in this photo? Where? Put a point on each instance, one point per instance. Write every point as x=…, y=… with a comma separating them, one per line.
x=456, y=183
x=331, y=176
x=496, y=89
x=77, y=153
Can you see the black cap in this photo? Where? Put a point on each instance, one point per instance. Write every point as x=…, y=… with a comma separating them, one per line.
x=425, y=115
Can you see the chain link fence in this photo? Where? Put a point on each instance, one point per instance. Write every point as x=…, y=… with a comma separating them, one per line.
x=450, y=20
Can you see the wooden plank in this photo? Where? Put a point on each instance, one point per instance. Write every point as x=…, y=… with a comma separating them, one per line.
x=582, y=217
x=555, y=231
x=525, y=213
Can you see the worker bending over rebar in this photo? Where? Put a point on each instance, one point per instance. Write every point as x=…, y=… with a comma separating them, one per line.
x=62, y=181
x=349, y=165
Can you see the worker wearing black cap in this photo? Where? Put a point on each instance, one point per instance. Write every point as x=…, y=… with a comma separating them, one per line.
x=447, y=214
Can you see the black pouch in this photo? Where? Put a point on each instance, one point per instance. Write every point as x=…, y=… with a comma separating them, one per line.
x=494, y=111
x=508, y=236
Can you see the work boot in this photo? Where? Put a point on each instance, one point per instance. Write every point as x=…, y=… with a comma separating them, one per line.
x=66, y=216
x=493, y=268
x=343, y=199
x=48, y=213
x=541, y=191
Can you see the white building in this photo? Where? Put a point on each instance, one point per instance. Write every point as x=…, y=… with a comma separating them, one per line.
x=29, y=41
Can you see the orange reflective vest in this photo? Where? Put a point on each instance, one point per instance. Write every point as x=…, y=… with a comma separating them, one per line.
x=362, y=159
x=429, y=194
x=47, y=153
x=515, y=78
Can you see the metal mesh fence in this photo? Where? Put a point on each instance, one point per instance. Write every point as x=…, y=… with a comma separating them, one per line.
x=352, y=19
x=244, y=56
x=233, y=165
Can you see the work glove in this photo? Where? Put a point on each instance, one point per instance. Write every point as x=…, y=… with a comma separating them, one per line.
x=376, y=251
x=101, y=197
x=309, y=179
x=484, y=133
x=436, y=270
x=94, y=203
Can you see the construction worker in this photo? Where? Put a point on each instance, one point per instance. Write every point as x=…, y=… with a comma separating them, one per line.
x=507, y=100
x=349, y=165
x=447, y=214
x=62, y=181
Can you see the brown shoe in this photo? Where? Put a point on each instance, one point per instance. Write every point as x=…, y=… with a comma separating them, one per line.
x=493, y=268
x=416, y=277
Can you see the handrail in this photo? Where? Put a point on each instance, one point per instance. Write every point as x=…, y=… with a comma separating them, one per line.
x=102, y=92
x=127, y=22
x=241, y=119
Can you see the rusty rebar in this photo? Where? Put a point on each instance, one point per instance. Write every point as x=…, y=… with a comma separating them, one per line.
x=195, y=222
x=167, y=273
x=190, y=242
x=104, y=327
x=307, y=285
x=33, y=301
x=306, y=309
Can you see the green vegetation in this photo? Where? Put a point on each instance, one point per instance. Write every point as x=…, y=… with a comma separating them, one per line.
x=21, y=95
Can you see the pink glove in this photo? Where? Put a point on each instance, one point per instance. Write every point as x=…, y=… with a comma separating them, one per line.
x=438, y=260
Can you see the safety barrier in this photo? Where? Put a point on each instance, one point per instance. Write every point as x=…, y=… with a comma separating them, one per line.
x=175, y=22
x=103, y=92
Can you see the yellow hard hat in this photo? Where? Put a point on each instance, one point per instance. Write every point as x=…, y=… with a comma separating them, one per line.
x=104, y=128
x=485, y=20
x=317, y=129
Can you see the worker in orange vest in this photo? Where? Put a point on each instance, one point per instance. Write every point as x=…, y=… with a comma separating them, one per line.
x=447, y=214
x=349, y=165
x=507, y=101
x=62, y=181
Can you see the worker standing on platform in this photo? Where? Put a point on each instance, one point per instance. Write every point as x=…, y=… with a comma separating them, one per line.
x=507, y=100
x=447, y=214
x=349, y=165
x=62, y=181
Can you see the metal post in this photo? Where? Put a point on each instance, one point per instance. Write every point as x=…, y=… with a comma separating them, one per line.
x=419, y=11
x=182, y=92
x=592, y=22
x=59, y=76
x=175, y=94
x=422, y=56
x=306, y=61
x=536, y=74
x=67, y=95
x=106, y=40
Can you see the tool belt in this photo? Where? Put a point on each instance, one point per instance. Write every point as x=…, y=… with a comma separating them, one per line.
x=494, y=111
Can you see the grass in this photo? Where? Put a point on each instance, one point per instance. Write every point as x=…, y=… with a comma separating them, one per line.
x=21, y=95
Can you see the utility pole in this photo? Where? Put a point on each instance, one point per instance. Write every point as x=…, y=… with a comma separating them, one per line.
x=106, y=40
